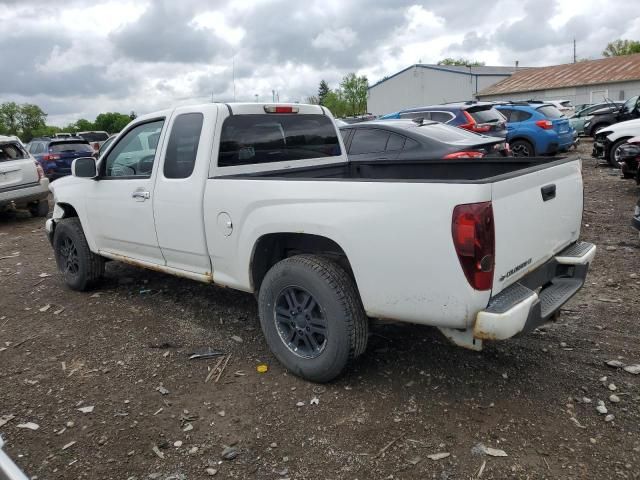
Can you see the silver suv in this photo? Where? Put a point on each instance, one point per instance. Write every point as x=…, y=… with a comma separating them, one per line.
x=23, y=183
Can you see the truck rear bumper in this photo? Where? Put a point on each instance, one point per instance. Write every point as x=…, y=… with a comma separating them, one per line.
x=536, y=298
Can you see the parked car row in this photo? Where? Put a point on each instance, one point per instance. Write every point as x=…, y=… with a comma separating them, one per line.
x=604, y=118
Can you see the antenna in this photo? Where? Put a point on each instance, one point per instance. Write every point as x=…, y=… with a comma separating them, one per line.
x=233, y=73
x=574, y=50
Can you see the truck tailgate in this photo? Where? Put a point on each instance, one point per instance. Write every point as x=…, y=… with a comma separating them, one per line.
x=536, y=215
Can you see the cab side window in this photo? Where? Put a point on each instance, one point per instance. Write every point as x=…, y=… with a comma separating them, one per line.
x=134, y=154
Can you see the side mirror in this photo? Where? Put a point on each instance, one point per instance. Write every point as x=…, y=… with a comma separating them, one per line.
x=84, y=167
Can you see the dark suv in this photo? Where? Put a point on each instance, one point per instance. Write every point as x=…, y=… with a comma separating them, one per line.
x=627, y=111
x=55, y=155
x=478, y=117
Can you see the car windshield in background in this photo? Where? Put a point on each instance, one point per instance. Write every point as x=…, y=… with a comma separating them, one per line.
x=11, y=151
x=630, y=104
x=250, y=139
x=65, y=147
x=95, y=136
x=550, y=111
x=445, y=133
x=486, y=115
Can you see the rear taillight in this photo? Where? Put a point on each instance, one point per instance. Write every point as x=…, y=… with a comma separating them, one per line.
x=466, y=154
x=545, y=124
x=96, y=146
x=280, y=109
x=473, y=125
x=40, y=171
x=49, y=157
x=474, y=240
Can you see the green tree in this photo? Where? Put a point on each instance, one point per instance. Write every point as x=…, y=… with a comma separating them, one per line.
x=84, y=125
x=354, y=91
x=336, y=103
x=621, y=47
x=9, y=114
x=30, y=118
x=323, y=90
x=46, y=131
x=111, y=122
x=312, y=100
x=465, y=62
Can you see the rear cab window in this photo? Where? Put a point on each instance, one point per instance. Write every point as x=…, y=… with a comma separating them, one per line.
x=550, y=111
x=249, y=139
x=182, y=149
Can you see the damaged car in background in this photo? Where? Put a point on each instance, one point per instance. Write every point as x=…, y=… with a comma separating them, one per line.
x=629, y=159
x=608, y=141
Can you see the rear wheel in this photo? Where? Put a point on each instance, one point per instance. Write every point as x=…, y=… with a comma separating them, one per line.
x=40, y=208
x=614, y=152
x=312, y=317
x=597, y=127
x=522, y=148
x=80, y=267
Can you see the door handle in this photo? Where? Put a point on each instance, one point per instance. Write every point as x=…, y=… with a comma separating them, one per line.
x=548, y=192
x=141, y=196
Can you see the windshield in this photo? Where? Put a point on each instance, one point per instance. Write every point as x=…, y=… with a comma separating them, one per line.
x=630, y=104
x=63, y=147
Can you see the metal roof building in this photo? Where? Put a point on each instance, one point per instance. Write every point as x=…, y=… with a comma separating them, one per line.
x=424, y=84
x=615, y=78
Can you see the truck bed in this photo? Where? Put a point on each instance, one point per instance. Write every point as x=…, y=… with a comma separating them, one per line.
x=426, y=171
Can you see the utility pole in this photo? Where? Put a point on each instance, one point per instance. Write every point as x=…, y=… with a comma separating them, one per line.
x=574, y=51
x=256, y=95
x=273, y=95
x=233, y=73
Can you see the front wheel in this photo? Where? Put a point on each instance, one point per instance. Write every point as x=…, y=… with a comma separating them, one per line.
x=614, y=153
x=79, y=266
x=312, y=317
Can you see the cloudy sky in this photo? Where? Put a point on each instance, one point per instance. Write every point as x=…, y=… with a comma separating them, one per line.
x=77, y=58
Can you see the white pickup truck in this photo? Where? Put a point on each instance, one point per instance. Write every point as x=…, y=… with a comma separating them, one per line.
x=262, y=198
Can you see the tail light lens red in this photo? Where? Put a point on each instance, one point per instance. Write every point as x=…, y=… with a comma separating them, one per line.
x=465, y=154
x=281, y=109
x=545, y=124
x=49, y=157
x=474, y=240
x=40, y=171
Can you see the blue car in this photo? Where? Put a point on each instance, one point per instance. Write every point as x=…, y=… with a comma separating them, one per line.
x=55, y=155
x=478, y=117
x=536, y=129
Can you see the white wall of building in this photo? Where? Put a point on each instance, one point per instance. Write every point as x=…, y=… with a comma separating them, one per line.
x=577, y=95
x=420, y=86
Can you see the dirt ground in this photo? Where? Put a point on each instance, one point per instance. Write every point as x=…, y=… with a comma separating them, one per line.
x=124, y=350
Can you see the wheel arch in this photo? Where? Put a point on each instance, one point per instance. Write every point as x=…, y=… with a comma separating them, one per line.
x=270, y=248
x=526, y=138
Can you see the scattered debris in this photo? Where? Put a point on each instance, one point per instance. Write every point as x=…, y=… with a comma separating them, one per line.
x=577, y=423
x=415, y=460
x=68, y=445
x=96, y=295
x=177, y=443
x=229, y=453
x=13, y=255
x=59, y=311
x=211, y=471
x=388, y=445
x=158, y=411
x=28, y=425
x=602, y=410
x=157, y=451
x=193, y=450
x=45, y=308
x=300, y=404
x=314, y=401
x=481, y=449
x=262, y=368
x=187, y=428
x=614, y=398
x=205, y=353
x=273, y=445
x=218, y=369
x=609, y=418
x=633, y=369
x=4, y=419
x=615, y=363
x=162, y=390
x=25, y=341
x=222, y=413
x=438, y=456
x=86, y=409
x=236, y=338
x=240, y=373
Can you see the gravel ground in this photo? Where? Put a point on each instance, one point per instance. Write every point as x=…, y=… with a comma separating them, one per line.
x=124, y=351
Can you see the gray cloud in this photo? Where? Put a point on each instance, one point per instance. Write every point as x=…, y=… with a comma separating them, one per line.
x=164, y=33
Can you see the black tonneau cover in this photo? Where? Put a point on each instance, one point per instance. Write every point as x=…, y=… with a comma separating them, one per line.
x=430, y=171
